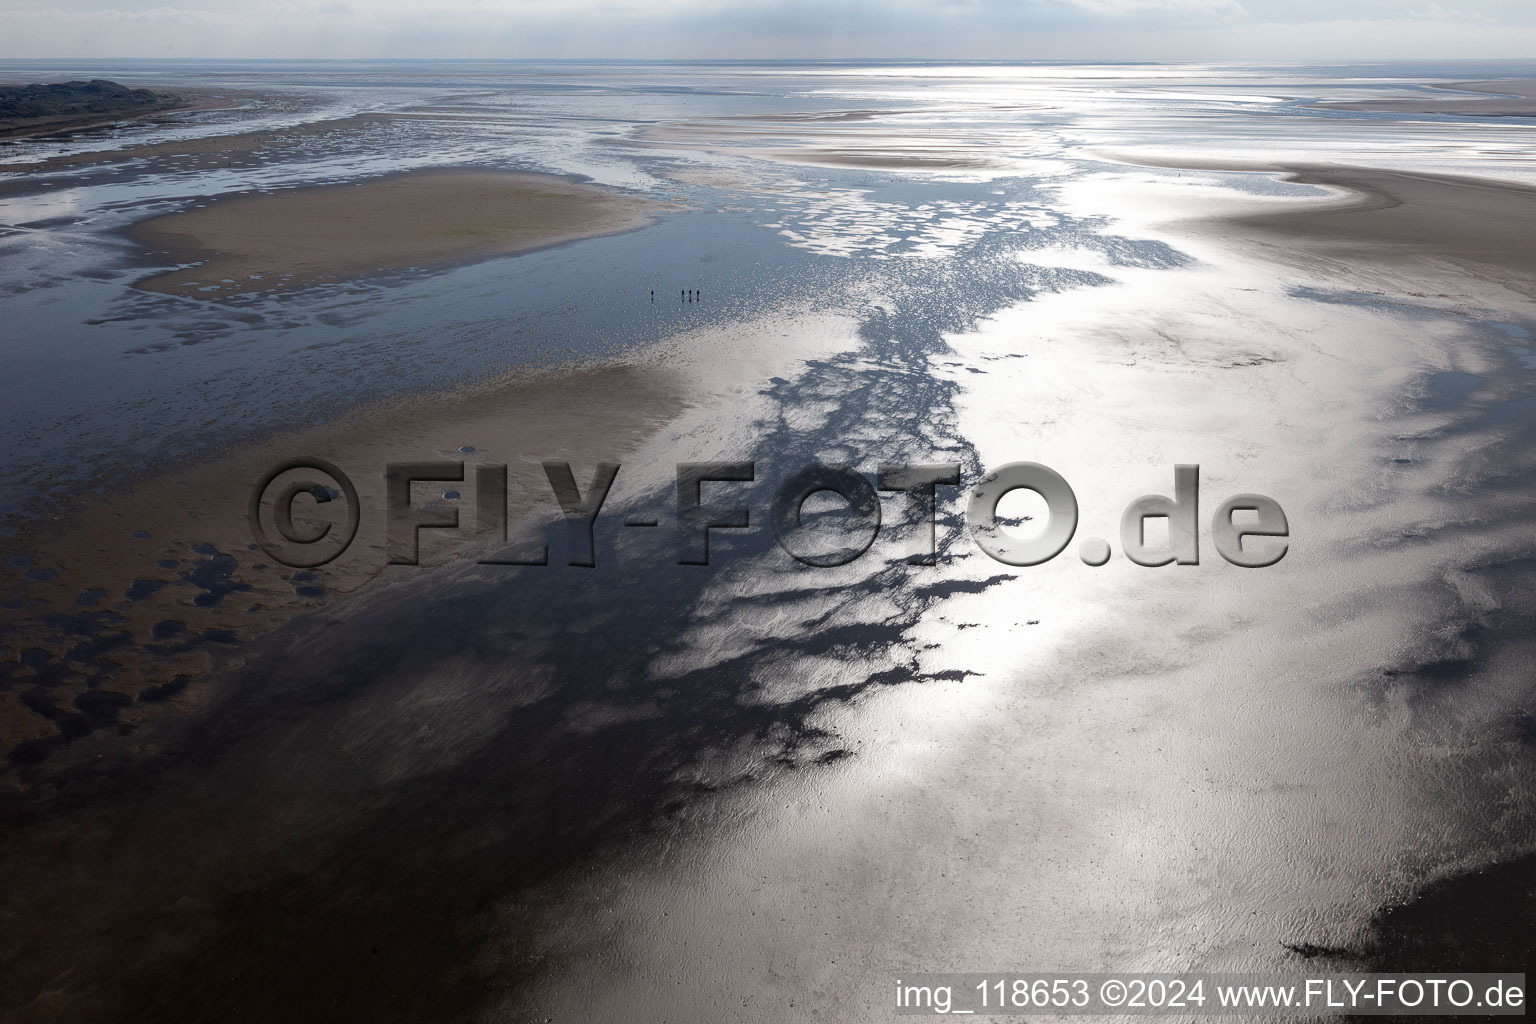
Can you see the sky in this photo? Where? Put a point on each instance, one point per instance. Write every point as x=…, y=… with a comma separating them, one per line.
x=1006, y=29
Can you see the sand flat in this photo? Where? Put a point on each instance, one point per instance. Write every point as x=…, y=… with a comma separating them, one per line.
x=1459, y=235
x=1515, y=98
x=271, y=241
x=1479, y=229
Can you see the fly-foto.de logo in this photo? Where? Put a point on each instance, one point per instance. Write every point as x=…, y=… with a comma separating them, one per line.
x=306, y=512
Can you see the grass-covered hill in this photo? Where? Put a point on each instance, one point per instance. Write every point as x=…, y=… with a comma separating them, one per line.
x=96, y=98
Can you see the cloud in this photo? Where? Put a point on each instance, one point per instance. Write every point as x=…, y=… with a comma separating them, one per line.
x=1019, y=29
x=1435, y=12
x=1142, y=7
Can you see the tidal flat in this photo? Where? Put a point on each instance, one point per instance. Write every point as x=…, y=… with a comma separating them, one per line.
x=641, y=790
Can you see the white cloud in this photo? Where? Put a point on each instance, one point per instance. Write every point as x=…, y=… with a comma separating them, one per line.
x=1022, y=29
x=1133, y=7
x=1435, y=12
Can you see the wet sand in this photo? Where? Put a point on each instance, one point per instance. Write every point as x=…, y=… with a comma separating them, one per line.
x=852, y=139
x=1513, y=98
x=1239, y=774
x=200, y=151
x=877, y=159
x=1473, y=233
x=1460, y=480
x=162, y=583
x=270, y=241
x=1426, y=222
x=644, y=414
x=166, y=566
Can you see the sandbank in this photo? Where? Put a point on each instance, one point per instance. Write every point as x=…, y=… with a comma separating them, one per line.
x=274, y=240
x=1516, y=98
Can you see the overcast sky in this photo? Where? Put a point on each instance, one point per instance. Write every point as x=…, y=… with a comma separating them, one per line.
x=1065, y=29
